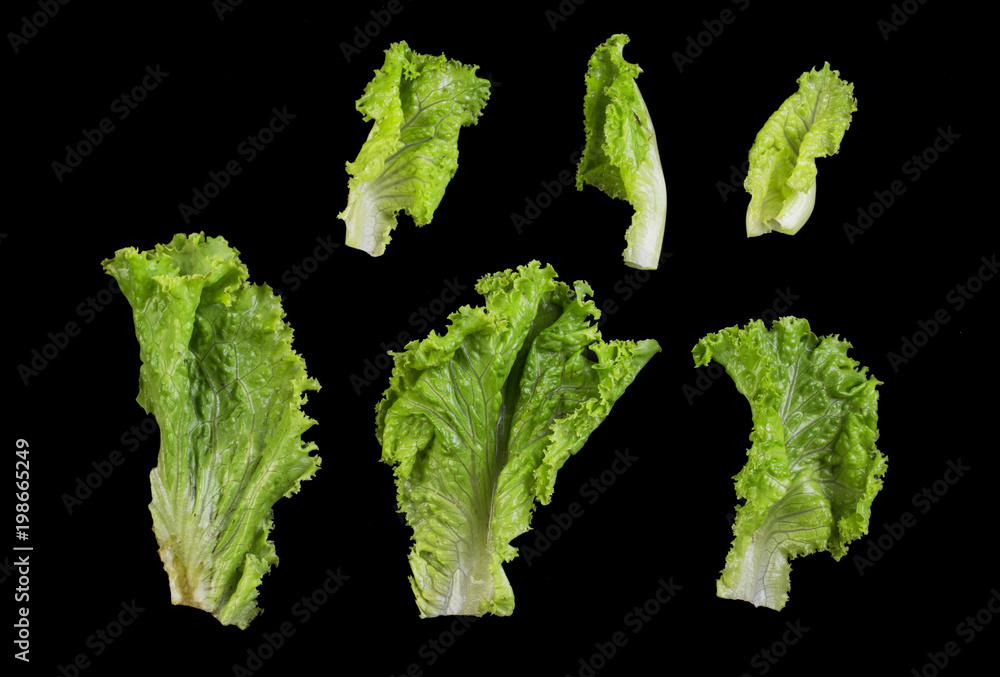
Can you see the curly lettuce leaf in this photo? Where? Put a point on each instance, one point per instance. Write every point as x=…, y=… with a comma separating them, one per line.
x=477, y=422
x=219, y=373
x=620, y=156
x=813, y=468
x=782, y=175
x=419, y=103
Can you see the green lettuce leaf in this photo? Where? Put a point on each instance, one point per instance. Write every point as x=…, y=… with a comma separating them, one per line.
x=782, y=175
x=813, y=468
x=620, y=156
x=219, y=373
x=477, y=422
x=419, y=103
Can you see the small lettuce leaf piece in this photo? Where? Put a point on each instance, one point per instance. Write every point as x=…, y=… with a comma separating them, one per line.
x=813, y=468
x=782, y=175
x=620, y=156
x=219, y=373
x=419, y=103
x=477, y=422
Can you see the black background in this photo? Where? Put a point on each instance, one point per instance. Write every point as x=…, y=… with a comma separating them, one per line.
x=665, y=517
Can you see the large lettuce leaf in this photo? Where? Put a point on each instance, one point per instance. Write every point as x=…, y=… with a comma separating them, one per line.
x=813, y=468
x=419, y=103
x=219, y=373
x=477, y=422
x=782, y=175
x=620, y=156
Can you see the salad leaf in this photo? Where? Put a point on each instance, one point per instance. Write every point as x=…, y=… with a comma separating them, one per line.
x=782, y=175
x=419, y=103
x=219, y=373
x=620, y=156
x=813, y=469
x=477, y=422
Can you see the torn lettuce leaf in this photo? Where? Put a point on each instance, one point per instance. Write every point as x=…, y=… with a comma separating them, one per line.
x=620, y=156
x=419, y=103
x=782, y=175
x=813, y=468
x=219, y=373
x=477, y=422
